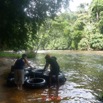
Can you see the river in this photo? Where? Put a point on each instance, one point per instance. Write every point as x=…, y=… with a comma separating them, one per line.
x=83, y=71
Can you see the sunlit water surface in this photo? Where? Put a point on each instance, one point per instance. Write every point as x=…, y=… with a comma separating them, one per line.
x=84, y=73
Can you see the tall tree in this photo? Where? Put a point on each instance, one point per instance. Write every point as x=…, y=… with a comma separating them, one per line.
x=20, y=20
x=96, y=7
x=82, y=7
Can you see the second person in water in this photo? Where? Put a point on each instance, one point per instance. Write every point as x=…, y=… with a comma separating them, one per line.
x=54, y=68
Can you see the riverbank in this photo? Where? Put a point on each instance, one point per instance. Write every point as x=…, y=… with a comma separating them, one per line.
x=70, y=51
x=5, y=64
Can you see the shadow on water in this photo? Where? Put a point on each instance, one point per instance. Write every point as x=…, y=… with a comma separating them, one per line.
x=84, y=73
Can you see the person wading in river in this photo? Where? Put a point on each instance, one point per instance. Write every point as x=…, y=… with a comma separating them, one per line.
x=19, y=70
x=54, y=68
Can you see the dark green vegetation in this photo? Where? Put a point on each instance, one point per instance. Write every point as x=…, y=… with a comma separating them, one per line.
x=16, y=55
x=34, y=24
x=75, y=30
x=21, y=19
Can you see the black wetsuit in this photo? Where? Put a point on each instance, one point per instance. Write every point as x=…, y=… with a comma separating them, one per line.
x=53, y=65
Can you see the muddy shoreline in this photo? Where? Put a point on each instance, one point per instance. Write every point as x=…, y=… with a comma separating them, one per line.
x=5, y=64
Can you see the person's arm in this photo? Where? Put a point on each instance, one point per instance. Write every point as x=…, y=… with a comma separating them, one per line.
x=26, y=61
x=46, y=65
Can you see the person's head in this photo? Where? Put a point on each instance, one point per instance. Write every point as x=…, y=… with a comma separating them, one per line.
x=47, y=56
x=24, y=56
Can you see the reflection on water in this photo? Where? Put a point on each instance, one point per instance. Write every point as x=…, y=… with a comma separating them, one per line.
x=84, y=73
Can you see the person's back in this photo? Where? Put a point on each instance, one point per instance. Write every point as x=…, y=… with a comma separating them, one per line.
x=19, y=64
x=54, y=65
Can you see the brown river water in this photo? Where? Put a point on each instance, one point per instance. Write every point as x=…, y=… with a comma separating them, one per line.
x=83, y=71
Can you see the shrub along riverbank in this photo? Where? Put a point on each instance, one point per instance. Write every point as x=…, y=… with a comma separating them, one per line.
x=16, y=54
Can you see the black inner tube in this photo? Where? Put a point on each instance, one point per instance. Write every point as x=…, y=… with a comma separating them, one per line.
x=35, y=80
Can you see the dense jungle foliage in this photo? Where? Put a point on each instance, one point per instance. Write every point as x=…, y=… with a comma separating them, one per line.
x=21, y=19
x=38, y=24
x=81, y=30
